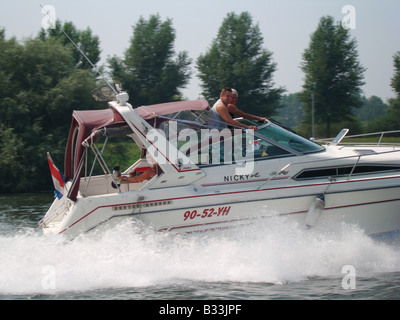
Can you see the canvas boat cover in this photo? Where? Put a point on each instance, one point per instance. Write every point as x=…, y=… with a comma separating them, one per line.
x=84, y=123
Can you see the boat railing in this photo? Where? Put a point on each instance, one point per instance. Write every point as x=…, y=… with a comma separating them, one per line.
x=58, y=213
x=379, y=135
x=357, y=159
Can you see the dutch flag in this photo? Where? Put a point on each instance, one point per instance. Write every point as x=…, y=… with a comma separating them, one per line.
x=58, y=178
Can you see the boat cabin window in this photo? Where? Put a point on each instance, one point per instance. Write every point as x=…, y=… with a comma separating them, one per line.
x=285, y=137
x=116, y=150
x=189, y=133
x=205, y=147
x=244, y=147
x=343, y=171
x=264, y=150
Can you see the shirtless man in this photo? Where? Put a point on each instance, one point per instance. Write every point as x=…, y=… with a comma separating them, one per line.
x=233, y=109
x=219, y=116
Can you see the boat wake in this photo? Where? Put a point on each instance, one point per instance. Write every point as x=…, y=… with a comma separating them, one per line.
x=129, y=256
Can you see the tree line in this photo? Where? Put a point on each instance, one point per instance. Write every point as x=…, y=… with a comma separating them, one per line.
x=44, y=78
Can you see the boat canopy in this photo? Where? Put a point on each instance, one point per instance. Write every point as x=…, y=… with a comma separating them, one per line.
x=83, y=124
x=154, y=111
x=86, y=123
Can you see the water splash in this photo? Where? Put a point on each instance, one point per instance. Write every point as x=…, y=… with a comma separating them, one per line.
x=130, y=256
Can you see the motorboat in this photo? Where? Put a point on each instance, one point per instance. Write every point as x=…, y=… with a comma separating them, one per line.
x=206, y=180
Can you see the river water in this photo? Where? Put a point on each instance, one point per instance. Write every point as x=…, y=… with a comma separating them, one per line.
x=275, y=261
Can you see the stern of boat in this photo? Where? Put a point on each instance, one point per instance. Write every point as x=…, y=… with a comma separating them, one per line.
x=58, y=211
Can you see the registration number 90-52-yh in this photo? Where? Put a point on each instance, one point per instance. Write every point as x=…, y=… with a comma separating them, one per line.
x=206, y=213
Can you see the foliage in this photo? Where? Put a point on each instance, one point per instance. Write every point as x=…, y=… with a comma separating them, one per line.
x=11, y=158
x=236, y=59
x=391, y=119
x=40, y=84
x=396, y=78
x=371, y=108
x=122, y=153
x=290, y=112
x=331, y=63
x=84, y=39
x=365, y=119
x=148, y=70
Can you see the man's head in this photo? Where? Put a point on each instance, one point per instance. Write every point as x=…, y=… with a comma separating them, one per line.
x=235, y=96
x=226, y=95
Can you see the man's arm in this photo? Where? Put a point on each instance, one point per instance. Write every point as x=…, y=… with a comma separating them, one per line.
x=223, y=112
x=236, y=111
x=147, y=175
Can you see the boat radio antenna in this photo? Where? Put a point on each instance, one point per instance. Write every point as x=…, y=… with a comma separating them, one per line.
x=80, y=50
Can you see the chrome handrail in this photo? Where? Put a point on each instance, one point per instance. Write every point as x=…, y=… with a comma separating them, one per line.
x=357, y=161
x=379, y=143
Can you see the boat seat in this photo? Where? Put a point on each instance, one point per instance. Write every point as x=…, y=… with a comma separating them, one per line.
x=141, y=170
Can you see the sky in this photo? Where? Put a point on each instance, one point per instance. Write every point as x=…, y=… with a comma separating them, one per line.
x=286, y=26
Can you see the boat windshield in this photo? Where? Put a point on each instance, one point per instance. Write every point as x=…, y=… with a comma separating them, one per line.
x=189, y=134
x=284, y=137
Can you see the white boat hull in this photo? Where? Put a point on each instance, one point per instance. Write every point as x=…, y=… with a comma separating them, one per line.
x=372, y=204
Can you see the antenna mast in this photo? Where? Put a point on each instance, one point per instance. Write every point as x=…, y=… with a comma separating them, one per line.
x=81, y=52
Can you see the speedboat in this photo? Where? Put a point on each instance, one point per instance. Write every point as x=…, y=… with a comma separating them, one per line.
x=206, y=180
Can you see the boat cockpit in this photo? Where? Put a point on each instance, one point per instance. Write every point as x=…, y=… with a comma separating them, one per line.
x=186, y=131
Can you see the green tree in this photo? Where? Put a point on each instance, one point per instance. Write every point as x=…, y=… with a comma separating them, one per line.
x=331, y=62
x=291, y=111
x=84, y=39
x=391, y=120
x=40, y=85
x=11, y=159
x=237, y=59
x=151, y=71
x=396, y=77
x=371, y=108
